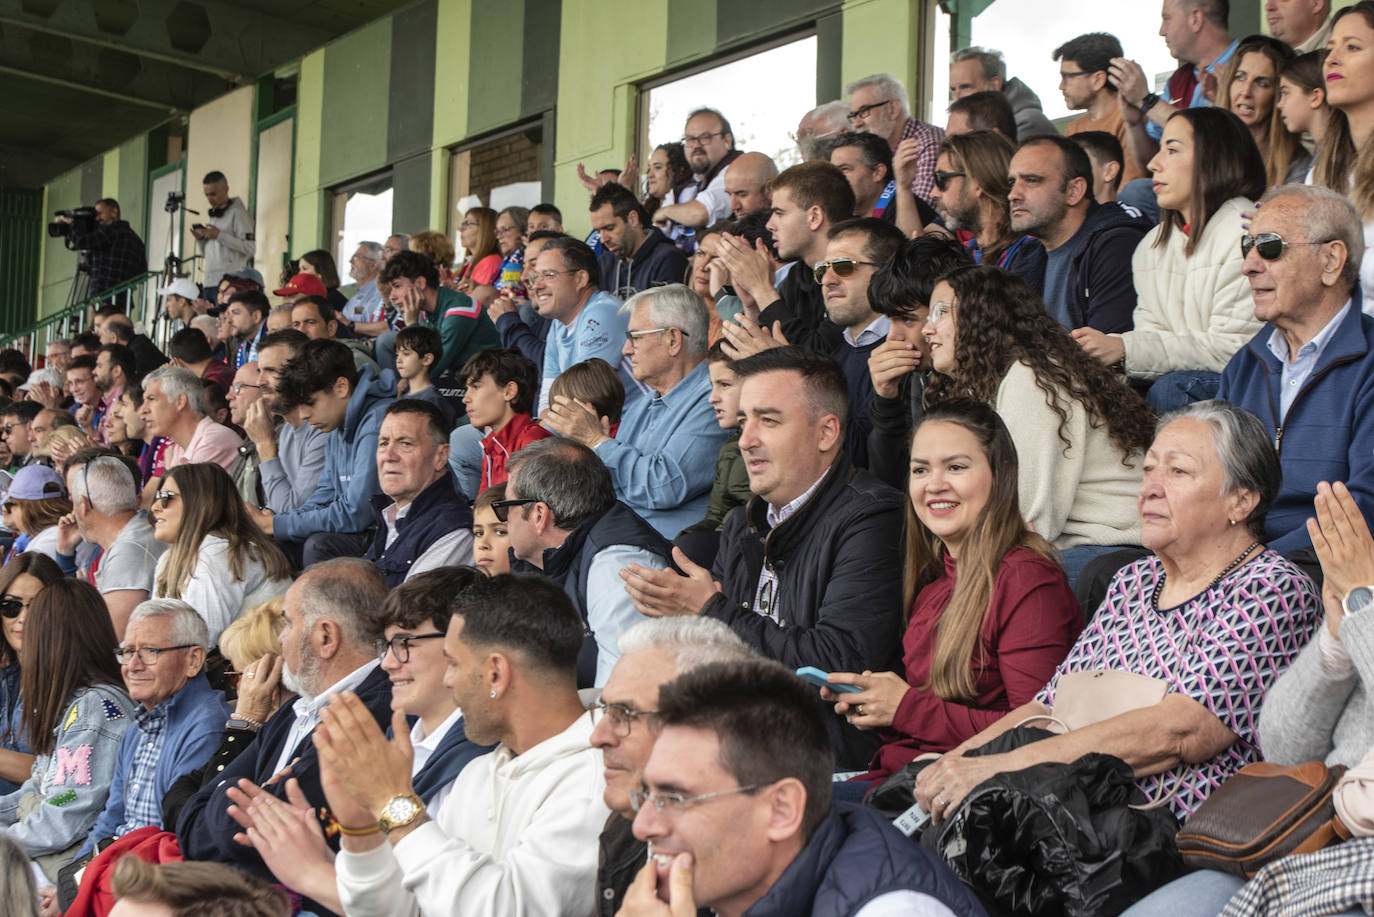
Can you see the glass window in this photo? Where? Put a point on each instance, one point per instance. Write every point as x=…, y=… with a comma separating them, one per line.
x=762, y=121
x=497, y=172
x=362, y=213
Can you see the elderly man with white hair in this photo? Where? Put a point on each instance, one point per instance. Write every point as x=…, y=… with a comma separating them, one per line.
x=179, y=720
x=663, y=457
x=105, y=513
x=364, y=311
x=174, y=407
x=1309, y=374
x=879, y=104
x=818, y=125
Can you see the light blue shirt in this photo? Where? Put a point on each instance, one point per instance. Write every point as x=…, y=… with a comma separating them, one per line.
x=610, y=610
x=365, y=305
x=663, y=459
x=597, y=331
x=1154, y=130
x=1297, y=371
x=874, y=333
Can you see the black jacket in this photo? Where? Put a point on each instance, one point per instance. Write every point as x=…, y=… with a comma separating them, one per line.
x=839, y=593
x=656, y=261
x=204, y=828
x=893, y=419
x=438, y=510
x=1101, y=290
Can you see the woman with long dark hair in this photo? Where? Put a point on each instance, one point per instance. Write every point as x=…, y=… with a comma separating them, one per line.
x=1079, y=430
x=668, y=180
x=75, y=713
x=1345, y=160
x=481, y=266
x=991, y=613
x=321, y=263
x=220, y=563
x=1193, y=309
x=1249, y=89
x=20, y=581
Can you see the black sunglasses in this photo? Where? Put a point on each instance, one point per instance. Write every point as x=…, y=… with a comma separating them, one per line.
x=10, y=608
x=942, y=179
x=1270, y=245
x=502, y=507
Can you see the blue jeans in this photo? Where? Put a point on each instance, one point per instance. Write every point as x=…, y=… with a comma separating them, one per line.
x=1181, y=388
x=465, y=458
x=1076, y=558
x=1199, y=894
x=384, y=350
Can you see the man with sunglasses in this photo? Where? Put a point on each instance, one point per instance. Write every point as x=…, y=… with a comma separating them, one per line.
x=1309, y=374
x=653, y=653
x=709, y=143
x=17, y=418
x=737, y=812
x=565, y=522
x=179, y=721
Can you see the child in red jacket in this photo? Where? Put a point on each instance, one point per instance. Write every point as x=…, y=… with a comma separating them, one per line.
x=501, y=387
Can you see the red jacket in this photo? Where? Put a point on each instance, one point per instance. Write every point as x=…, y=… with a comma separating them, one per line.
x=1030, y=627
x=500, y=445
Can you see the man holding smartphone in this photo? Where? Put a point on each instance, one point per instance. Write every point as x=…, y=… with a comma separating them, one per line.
x=226, y=242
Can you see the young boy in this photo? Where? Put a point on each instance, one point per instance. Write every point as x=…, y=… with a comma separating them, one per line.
x=731, y=488
x=594, y=385
x=500, y=389
x=418, y=347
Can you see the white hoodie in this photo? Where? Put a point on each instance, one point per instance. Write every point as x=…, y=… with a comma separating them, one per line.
x=516, y=835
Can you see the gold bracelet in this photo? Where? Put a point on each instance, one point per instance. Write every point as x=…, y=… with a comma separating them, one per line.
x=359, y=832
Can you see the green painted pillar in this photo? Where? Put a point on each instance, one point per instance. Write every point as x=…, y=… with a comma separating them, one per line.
x=961, y=14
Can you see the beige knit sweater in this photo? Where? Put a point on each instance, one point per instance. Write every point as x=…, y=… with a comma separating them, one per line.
x=1084, y=495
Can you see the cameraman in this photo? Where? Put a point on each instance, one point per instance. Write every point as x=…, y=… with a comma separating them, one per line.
x=117, y=253
x=227, y=242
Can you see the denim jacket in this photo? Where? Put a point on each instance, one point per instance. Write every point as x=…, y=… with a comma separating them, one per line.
x=11, y=718
x=74, y=780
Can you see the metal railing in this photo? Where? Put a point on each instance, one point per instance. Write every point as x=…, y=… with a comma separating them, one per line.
x=140, y=295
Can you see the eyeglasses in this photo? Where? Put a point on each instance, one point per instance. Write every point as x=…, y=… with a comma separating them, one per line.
x=942, y=179
x=400, y=645
x=632, y=336
x=1065, y=76
x=8, y=427
x=240, y=386
x=232, y=679
x=622, y=717
x=501, y=508
x=10, y=608
x=938, y=311
x=549, y=275
x=843, y=267
x=148, y=655
x=467, y=224
x=1270, y=245
x=163, y=497
x=8, y=506
x=701, y=139
x=863, y=110
x=676, y=803
x=505, y=230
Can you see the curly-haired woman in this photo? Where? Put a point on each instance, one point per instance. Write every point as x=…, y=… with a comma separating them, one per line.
x=1079, y=430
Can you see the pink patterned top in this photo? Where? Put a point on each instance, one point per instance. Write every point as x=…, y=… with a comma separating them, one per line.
x=1222, y=648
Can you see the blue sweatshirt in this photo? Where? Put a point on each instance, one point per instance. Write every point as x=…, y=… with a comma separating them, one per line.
x=342, y=500
x=598, y=331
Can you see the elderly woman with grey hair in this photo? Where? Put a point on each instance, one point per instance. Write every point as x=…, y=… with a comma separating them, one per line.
x=1180, y=653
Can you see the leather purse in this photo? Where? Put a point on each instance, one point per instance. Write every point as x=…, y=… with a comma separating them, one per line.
x=1264, y=812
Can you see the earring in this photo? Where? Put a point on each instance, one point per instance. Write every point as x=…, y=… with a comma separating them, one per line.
x=1232, y=521
x=493, y=695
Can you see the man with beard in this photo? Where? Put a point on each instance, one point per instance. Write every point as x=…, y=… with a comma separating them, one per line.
x=1088, y=246
x=332, y=619
x=709, y=144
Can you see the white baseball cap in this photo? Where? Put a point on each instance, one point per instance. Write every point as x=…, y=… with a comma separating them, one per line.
x=182, y=287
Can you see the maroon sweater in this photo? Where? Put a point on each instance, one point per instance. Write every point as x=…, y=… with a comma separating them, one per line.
x=1031, y=625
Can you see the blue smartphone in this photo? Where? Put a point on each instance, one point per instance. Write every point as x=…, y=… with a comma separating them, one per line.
x=822, y=680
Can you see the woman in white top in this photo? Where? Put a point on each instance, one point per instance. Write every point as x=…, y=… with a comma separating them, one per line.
x=220, y=563
x=1194, y=309
x=1345, y=159
x=1079, y=429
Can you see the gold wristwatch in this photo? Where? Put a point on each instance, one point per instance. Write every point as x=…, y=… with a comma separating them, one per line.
x=399, y=812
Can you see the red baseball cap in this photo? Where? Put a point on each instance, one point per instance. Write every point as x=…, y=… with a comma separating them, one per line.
x=307, y=284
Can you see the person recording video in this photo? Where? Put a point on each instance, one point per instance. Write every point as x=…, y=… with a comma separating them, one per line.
x=117, y=252
x=226, y=241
